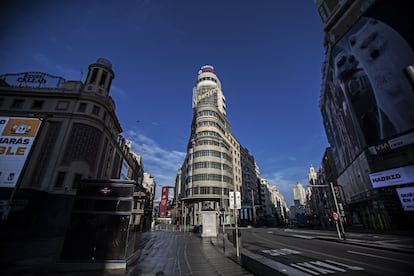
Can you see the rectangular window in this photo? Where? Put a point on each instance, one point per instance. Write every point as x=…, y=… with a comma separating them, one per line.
x=17, y=103
x=82, y=107
x=94, y=75
x=62, y=105
x=37, y=104
x=103, y=79
x=60, y=179
x=96, y=110
x=76, y=181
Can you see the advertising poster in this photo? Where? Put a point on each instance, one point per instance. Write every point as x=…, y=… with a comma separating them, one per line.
x=406, y=196
x=369, y=97
x=164, y=201
x=16, y=141
x=126, y=171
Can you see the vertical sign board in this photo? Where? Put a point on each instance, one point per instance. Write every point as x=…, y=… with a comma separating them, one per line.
x=406, y=196
x=163, y=203
x=234, y=200
x=16, y=139
x=231, y=200
x=126, y=171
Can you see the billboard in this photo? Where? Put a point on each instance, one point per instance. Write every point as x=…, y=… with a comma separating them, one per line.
x=16, y=140
x=164, y=202
x=126, y=171
x=397, y=176
x=369, y=97
x=406, y=196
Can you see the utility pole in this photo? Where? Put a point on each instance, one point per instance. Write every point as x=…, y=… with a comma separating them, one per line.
x=341, y=233
x=253, y=208
x=338, y=211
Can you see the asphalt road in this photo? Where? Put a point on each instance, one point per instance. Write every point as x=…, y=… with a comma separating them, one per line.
x=315, y=253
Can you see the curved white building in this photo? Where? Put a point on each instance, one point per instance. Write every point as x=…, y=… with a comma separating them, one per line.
x=212, y=166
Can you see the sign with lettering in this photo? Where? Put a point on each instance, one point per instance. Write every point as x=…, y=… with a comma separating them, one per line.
x=397, y=176
x=16, y=139
x=33, y=80
x=407, y=198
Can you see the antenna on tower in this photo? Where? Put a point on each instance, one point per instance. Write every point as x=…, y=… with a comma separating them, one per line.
x=81, y=74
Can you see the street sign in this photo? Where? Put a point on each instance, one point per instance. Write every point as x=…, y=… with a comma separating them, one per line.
x=234, y=200
x=231, y=200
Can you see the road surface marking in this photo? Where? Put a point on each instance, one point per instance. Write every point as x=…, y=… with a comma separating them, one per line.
x=304, y=269
x=303, y=237
x=344, y=265
x=282, y=251
x=379, y=257
x=320, y=267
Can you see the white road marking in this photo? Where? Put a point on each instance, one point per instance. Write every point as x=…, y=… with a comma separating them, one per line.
x=344, y=265
x=320, y=267
x=379, y=257
x=304, y=269
x=303, y=237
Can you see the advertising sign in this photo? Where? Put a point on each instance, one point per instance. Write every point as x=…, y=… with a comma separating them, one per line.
x=368, y=99
x=407, y=198
x=16, y=140
x=163, y=203
x=126, y=171
x=234, y=200
x=398, y=176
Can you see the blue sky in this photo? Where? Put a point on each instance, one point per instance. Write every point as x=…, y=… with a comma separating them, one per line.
x=267, y=54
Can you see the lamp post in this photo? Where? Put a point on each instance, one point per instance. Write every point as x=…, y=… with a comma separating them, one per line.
x=253, y=208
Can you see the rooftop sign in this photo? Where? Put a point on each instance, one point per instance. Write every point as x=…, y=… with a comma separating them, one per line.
x=206, y=68
x=32, y=80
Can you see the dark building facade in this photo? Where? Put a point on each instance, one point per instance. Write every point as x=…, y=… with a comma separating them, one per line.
x=367, y=103
x=78, y=138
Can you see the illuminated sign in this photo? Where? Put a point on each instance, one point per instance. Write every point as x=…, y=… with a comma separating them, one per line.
x=204, y=95
x=392, y=144
x=33, y=80
x=16, y=140
x=105, y=190
x=398, y=176
x=207, y=69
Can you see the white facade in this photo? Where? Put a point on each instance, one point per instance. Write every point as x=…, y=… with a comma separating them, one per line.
x=299, y=193
x=212, y=167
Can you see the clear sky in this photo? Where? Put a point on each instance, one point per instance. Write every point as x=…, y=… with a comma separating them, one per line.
x=268, y=55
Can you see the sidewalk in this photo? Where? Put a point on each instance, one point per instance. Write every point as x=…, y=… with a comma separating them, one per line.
x=184, y=253
x=161, y=253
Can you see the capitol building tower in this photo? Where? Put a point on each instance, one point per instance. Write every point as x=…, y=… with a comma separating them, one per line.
x=212, y=167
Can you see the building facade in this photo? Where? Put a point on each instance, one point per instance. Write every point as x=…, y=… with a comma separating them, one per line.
x=366, y=104
x=212, y=167
x=78, y=138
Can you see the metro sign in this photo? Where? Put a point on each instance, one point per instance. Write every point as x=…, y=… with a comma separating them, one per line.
x=105, y=190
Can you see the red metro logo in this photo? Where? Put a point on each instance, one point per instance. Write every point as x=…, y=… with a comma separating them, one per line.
x=105, y=190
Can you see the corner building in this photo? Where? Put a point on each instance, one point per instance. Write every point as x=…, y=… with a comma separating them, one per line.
x=212, y=165
x=367, y=104
x=78, y=139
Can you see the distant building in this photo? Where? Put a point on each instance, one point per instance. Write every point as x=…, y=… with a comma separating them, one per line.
x=299, y=194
